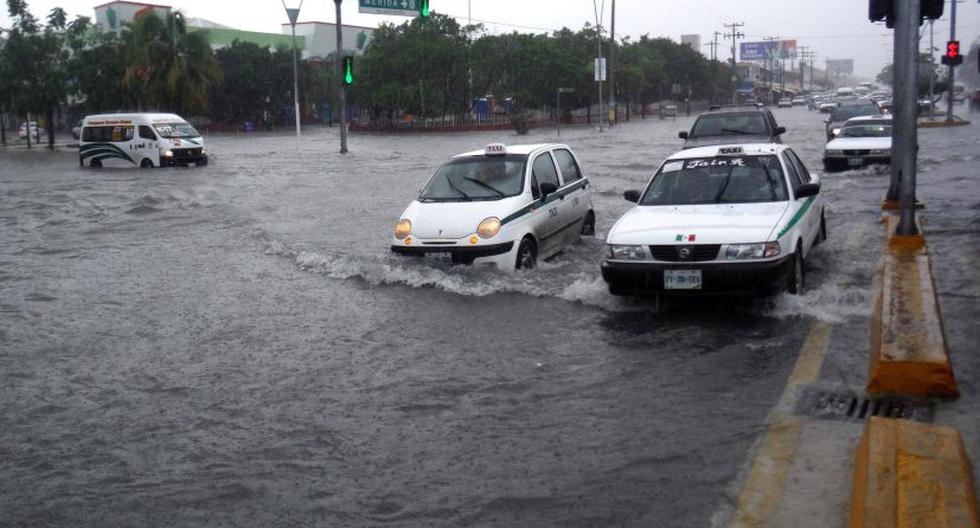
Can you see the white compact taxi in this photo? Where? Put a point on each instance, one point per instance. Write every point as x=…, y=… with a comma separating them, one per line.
x=504, y=205
x=144, y=140
x=732, y=219
x=861, y=141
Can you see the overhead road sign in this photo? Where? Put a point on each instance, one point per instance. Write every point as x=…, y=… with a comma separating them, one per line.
x=409, y=8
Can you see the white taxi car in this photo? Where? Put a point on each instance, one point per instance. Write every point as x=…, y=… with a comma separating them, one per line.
x=730, y=219
x=504, y=205
x=861, y=141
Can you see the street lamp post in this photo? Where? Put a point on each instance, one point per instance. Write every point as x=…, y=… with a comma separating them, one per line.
x=599, y=70
x=293, y=15
x=341, y=92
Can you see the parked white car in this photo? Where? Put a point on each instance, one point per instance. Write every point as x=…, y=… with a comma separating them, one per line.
x=505, y=205
x=731, y=219
x=862, y=141
x=36, y=131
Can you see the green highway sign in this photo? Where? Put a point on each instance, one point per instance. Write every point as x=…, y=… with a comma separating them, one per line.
x=566, y=90
x=390, y=7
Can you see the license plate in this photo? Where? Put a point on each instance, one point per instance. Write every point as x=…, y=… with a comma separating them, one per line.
x=682, y=279
x=855, y=162
x=439, y=257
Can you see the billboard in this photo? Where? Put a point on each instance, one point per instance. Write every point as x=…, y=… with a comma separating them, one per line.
x=840, y=67
x=762, y=51
x=693, y=41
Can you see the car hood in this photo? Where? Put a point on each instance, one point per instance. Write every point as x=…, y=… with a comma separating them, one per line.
x=727, y=140
x=452, y=220
x=860, y=143
x=709, y=224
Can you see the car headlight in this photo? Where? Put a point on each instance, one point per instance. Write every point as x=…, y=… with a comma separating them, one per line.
x=835, y=131
x=620, y=252
x=488, y=228
x=168, y=154
x=402, y=229
x=204, y=150
x=881, y=152
x=752, y=251
x=831, y=153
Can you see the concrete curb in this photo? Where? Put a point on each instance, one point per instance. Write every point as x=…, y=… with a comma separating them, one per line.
x=943, y=124
x=911, y=474
x=908, y=353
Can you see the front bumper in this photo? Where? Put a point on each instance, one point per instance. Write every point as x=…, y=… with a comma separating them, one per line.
x=184, y=157
x=842, y=163
x=459, y=254
x=741, y=278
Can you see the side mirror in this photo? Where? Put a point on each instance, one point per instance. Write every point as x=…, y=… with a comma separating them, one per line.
x=547, y=188
x=632, y=196
x=682, y=135
x=807, y=190
x=780, y=130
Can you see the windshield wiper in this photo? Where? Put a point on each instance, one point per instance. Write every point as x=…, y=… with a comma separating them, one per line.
x=728, y=179
x=453, y=187
x=486, y=185
x=733, y=131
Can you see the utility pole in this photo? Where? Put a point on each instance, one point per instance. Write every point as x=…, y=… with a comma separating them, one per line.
x=952, y=67
x=905, y=131
x=599, y=62
x=341, y=91
x=932, y=73
x=813, y=57
x=613, y=116
x=293, y=15
x=803, y=51
x=770, y=59
x=734, y=35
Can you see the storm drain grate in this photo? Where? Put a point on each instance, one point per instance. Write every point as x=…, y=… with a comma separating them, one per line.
x=850, y=406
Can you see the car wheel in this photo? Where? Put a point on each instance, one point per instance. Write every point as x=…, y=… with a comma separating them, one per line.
x=95, y=164
x=797, y=279
x=527, y=254
x=147, y=163
x=588, y=225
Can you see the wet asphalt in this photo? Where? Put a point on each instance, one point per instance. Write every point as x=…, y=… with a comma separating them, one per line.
x=235, y=346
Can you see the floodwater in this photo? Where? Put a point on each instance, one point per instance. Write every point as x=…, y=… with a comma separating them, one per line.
x=235, y=346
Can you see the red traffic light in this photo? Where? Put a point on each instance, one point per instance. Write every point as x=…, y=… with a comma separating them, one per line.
x=952, y=56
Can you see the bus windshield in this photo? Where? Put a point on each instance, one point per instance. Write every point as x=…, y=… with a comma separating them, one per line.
x=176, y=130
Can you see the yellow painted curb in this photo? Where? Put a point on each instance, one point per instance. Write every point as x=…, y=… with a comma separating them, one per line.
x=943, y=124
x=895, y=205
x=908, y=345
x=899, y=244
x=909, y=475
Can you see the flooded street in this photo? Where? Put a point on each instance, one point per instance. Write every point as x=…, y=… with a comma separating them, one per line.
x=235, y=345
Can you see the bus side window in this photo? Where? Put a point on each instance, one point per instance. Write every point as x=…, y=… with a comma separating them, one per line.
x=147, y=133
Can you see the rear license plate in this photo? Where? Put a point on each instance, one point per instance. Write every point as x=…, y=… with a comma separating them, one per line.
x=855, y=162
x=440, y=257
x=682, y=279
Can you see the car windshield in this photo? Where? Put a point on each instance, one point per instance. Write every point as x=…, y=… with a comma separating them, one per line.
x=876, y=130
x=730, y=125
x=476, y=178
x=846, y=112
x=723, y=179
x=176, y=130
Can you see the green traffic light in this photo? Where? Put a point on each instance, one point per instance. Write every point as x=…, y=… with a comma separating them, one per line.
x=425, y=8
x=349, y=70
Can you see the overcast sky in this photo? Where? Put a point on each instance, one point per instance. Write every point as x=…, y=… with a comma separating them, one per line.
x=835, y=29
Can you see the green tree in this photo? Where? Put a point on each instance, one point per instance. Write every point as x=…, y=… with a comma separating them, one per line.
x=172, y=68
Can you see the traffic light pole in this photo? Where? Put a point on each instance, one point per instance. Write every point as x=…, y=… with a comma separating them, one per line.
x=907, y=19
x=952, y=67
x=341, y=92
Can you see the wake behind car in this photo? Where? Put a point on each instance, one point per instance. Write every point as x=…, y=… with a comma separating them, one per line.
x=733, y=124
x=732, y=219
x=862, y=141
x=508, y=206
x=145, y=140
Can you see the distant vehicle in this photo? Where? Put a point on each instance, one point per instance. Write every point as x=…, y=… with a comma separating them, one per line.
x=741, y=124
x=975, y=102
x=862, y=141
x=785, y=102
x=76, y=131
x=735, y=219
x=847, y=111
x=885, y=105
x=36, y=131
x=845, y=92
x=799, y=101
x=505, y=205
x=827, y=106
x=668, y=110
x=146, y=140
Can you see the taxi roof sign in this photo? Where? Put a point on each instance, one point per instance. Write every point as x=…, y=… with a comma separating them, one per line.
x=496, y=149
x=730, y=150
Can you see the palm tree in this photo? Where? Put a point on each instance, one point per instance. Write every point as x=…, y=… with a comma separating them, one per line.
x=169, y=67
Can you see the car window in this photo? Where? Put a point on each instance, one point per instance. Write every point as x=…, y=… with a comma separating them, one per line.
x=544, y=170
x=723, y=179
x=799, y=166
x=730, y=125
x=794, y=176
x=569, y=168
x=867, y=129
x=535, y=191
x=476, y=178
x=107, y=133
x=146, y=133
x=843, y=113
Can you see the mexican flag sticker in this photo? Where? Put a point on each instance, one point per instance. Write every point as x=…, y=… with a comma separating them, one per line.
x=682, y=238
